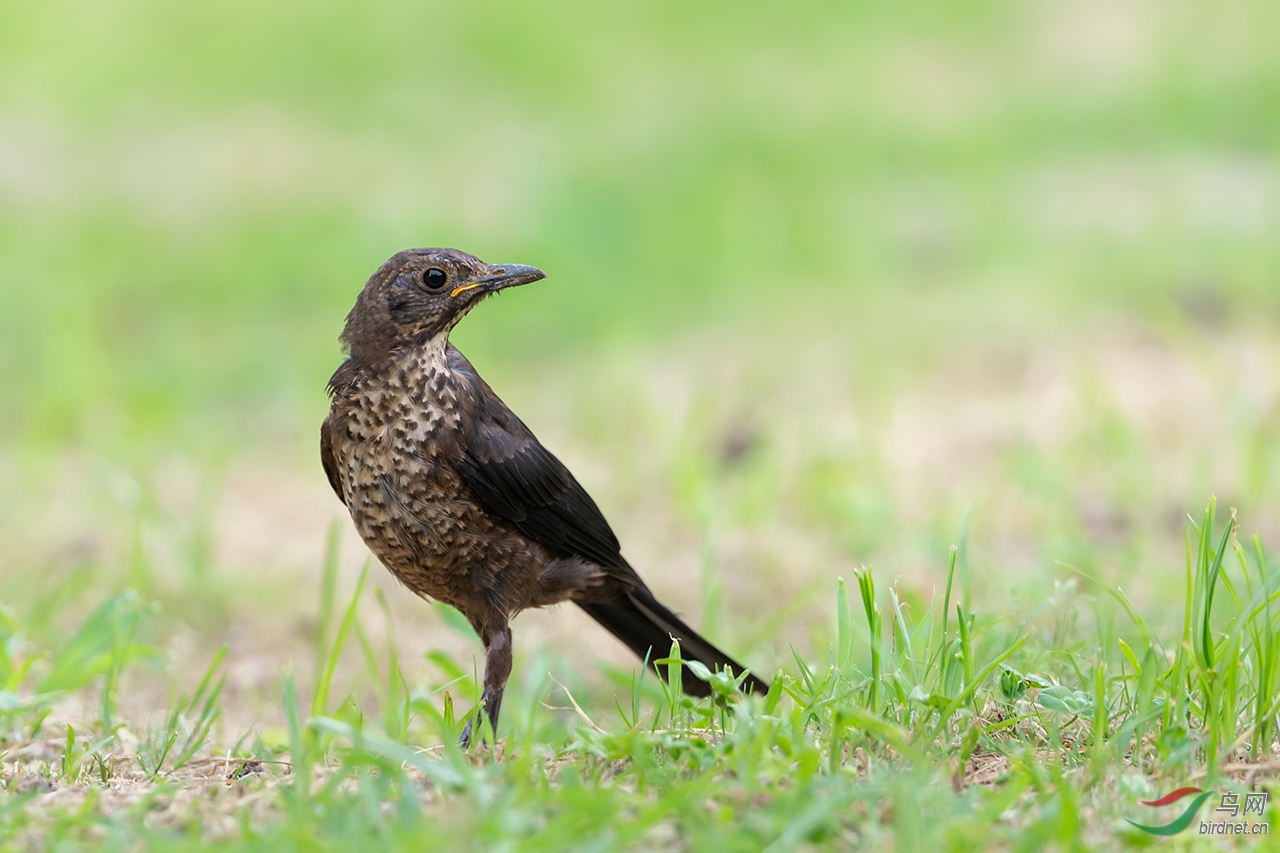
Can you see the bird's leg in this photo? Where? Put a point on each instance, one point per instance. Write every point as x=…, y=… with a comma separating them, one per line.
x=497, y=667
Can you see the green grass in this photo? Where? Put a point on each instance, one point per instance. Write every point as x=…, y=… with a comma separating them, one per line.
x=1039, y=727
x=983, y=296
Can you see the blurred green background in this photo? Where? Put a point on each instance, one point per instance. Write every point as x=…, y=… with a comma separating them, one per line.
x=823, y=277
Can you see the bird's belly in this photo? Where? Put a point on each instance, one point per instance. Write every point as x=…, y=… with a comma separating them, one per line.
x=423, y=525
x=407, y=515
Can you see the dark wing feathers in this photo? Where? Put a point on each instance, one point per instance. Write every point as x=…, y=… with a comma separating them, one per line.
x=521, y=481
x=327, y=460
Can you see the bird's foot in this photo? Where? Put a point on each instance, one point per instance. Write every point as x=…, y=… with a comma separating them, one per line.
x=490, y=704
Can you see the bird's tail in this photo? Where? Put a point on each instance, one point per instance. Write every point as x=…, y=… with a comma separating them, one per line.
x=647, y=628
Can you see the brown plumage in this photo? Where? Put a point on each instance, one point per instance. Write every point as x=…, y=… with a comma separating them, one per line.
x=455, y=495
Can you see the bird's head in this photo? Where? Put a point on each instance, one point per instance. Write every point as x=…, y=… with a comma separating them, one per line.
x=421, y=294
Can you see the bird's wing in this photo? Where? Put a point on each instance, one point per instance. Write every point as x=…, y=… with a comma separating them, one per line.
x=519, y=479
x=330, y=464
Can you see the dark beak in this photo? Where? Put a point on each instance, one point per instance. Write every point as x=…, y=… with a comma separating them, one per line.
x=501, y=276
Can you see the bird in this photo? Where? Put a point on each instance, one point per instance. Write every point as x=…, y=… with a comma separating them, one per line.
x=457, y=497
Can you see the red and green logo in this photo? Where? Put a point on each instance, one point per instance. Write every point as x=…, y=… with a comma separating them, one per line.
x=1183, y=820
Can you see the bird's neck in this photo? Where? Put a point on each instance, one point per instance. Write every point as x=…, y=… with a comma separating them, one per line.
x=397, y=366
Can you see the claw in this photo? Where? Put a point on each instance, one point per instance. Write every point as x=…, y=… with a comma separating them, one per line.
x=491, y=703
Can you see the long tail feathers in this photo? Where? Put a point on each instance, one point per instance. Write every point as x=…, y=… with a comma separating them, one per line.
x=647, y=627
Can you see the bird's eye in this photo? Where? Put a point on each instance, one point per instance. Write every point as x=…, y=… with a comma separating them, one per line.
x=435, y=278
